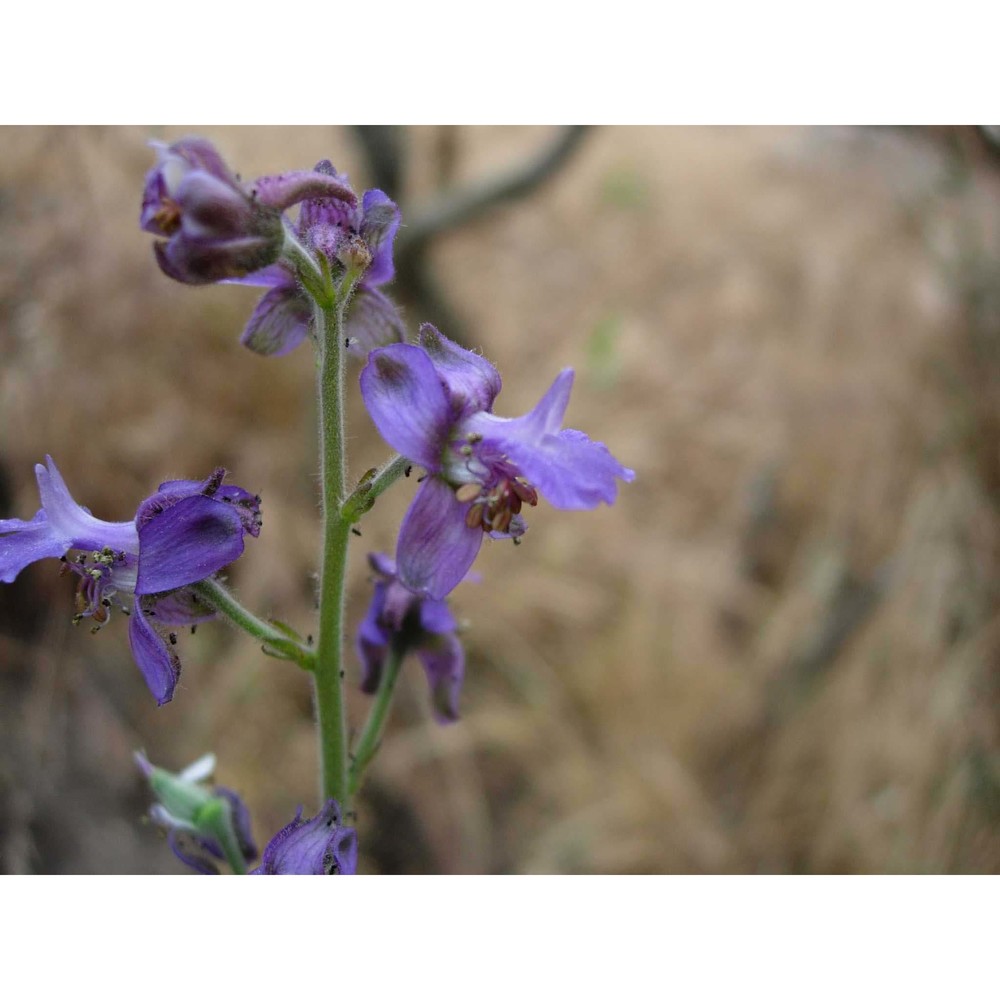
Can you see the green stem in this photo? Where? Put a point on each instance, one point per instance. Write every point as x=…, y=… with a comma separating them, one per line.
x=371, y=736
x=276, y=641
x=328, y=320
x=373, y=484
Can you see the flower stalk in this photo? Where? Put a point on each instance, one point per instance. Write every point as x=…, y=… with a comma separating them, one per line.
x=276, y=641
x=328, y=325
x=371, y=736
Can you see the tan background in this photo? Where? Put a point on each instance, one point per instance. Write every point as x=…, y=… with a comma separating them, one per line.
x=777, y=653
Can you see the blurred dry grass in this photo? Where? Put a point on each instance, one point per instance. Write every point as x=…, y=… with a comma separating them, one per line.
x=777, y=653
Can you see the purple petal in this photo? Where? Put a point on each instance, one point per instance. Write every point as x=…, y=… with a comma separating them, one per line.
x=182, y=607
x=186, y=543
x=407, y=402
x=380, y=220
x=327, y=211
x=25, y=542
x=212, y=208
x=273, y=276
x=471, y=381
x=320, y=846
x=241, y=822
x=436, y=547
x=281, y=191
x=372, y=642
x=75, y=524
x=195, y=153
x=188, y=849
x=279, y=322
x=444, y=662
x=382, y=564
x=159, y=665
x=372, y=321
x=436, y=617
x=570, y=470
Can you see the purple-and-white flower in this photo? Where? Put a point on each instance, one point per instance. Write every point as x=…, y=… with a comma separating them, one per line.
x=433, y=403
x=397, y=617
x=318, y=846
x=204, y=824
x=184, y=533
x=355, y=235
x=213, y=226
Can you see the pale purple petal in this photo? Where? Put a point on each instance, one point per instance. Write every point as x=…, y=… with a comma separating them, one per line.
x=372, y=321
x=471, y=381
x=240, y=816
x=281, y=191
x=436, y=616
x=407, y=402
x=186, y=543
x=380, y=220
x=75, y=524
x=444, y=662
x=568, y=469
x=272, y=276
x=279, y=322
x=436, y=547
x=545, y=418
x=25, y=542
x=327, y=211
x=158, y=663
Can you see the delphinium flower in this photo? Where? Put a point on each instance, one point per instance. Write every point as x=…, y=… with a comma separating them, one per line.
x=433, y=403
x=204, y=825
x=318, y=846
x=182, y=534
x=399, y=621
x=344, y=236
x=215, y=227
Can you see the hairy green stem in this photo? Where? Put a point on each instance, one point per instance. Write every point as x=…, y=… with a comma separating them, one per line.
x=276, y=641
x=371, y=736
x=328, y=325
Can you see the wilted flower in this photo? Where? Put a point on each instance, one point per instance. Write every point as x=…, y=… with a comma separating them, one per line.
x=354, y=236
x=182, y=534
x=409, y=622
x=433, y=404
x=215, y=227
x=319, y=846
x=203, y=824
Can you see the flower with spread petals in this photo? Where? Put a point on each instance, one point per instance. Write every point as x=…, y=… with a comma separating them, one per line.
x=213, y=226
x=204, y=825
x=318, y=846
x=433, y=403
x=397, y=617
x=358, y=236
x=182, y=534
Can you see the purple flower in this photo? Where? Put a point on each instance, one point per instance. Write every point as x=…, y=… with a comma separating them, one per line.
x=433, y=403
x=358, y=235
x=204, y=825
x=319, y=846
x=182, y=534
x=413, y=623
x=213, y=226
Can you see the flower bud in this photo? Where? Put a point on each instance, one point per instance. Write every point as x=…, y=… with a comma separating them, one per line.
x=203, y=824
